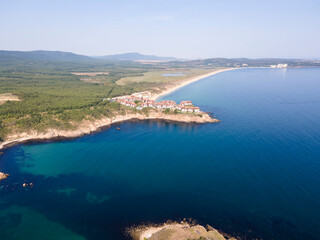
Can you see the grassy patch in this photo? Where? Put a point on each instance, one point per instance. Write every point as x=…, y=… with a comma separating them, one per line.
x=5, y=97
x=157, y=76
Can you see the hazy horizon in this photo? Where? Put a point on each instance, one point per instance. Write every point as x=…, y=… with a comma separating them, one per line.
x=181, y=29
x=170, y=56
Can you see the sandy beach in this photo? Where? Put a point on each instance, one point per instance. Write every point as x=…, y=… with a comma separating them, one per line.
x=88, y=128
x=187, y=81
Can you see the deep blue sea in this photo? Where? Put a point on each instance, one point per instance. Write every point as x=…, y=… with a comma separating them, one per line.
x=254, y=175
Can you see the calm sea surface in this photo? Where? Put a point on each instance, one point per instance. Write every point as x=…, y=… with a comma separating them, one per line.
x=255, y=174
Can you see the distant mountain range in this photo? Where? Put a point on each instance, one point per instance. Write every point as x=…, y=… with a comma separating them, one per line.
x=51, y=56
x=134, y=56
x=58, y=56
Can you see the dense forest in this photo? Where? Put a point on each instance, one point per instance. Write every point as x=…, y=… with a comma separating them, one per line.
x=51, y=96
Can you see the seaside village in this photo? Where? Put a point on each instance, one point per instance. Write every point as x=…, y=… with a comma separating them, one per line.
x=143, y=100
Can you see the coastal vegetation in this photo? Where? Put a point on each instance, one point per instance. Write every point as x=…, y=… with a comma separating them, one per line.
x=163, y=75
x=4, y=97
x=42, y=89
x=51, y=95
x=52, y=100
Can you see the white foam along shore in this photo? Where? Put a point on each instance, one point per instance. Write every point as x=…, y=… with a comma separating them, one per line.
x=187, y=81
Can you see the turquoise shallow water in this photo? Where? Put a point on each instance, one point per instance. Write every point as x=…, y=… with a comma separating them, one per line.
x=255, y=174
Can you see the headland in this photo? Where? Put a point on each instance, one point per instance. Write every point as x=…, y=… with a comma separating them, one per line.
x=87, y=127
x=187, y=114
x=175, y=231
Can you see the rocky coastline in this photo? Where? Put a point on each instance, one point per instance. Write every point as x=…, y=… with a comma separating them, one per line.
x=176, y=231
x=87, y=127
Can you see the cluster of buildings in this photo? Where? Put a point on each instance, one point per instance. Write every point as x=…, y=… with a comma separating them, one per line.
x=143, y=100
x=279, y=66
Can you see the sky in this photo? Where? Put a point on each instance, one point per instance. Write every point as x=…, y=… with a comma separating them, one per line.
x=173, y=28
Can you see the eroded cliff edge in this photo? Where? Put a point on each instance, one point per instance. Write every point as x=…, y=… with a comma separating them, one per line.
x=176, y=231
x=89, y=126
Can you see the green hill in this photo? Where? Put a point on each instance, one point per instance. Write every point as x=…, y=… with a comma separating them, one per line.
x=134, y=56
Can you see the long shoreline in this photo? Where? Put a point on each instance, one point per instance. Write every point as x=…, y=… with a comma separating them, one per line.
x=94, y=126
x=188, y=81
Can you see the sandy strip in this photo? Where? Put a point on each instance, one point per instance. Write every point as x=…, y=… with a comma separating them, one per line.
x=188, y=81
x=87, y=131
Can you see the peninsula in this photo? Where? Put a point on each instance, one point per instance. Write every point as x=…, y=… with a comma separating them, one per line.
x=140, y=105
x=89, y=126
x=107, y=111
x=45, y=95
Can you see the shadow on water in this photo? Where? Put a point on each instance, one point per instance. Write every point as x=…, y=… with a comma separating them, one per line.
x=70, y=201
x=96, y=207
x=102, y=208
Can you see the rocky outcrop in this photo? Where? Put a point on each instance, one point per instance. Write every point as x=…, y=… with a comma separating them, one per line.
x=86, y=127
x=186, y=118
x=175, y=231
x=3, y=176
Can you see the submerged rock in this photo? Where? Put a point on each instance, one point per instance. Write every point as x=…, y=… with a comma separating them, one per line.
x=3, y=176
